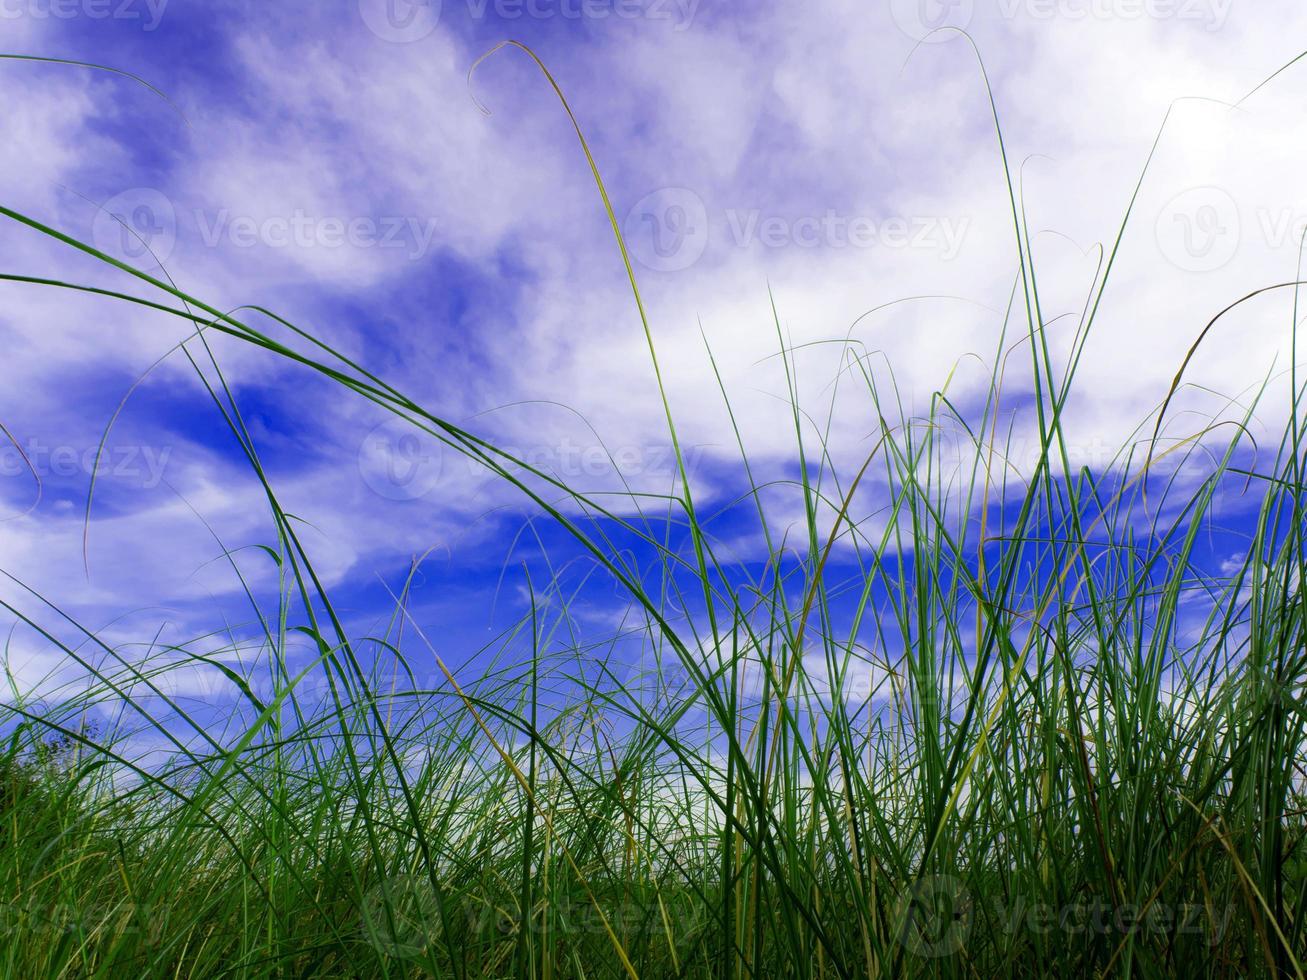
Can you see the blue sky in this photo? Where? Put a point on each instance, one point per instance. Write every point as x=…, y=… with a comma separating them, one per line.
x=333, y=165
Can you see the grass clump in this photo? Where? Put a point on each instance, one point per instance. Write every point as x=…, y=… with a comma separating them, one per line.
x=971, y=715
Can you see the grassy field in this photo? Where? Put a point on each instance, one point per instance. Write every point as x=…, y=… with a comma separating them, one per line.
x=980, y=713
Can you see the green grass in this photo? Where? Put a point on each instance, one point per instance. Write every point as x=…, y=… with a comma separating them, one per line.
x=1081, y=753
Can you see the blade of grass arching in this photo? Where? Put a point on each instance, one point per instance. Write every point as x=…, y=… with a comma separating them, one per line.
x=71, y=63
x=687, y=499
x=926, y=500
x=1198, y=341
x=104, y=436
x=32, y=471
